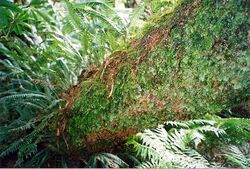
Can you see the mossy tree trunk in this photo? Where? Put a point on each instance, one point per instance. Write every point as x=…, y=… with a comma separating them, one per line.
x=188, y=62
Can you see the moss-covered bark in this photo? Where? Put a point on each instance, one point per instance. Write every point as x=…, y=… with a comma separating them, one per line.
x=192, y=61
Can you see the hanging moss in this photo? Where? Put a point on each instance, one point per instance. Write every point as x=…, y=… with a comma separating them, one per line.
x=187, y=63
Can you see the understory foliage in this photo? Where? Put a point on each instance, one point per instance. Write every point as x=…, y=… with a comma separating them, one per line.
x=69, y=89
x=39, y=59
x=179, y=144
x=238, y=156
x=96, y=26
x=197, y=143
x=171, y=149
x=106, y=160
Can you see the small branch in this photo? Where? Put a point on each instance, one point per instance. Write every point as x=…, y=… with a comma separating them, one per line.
x=112, y=88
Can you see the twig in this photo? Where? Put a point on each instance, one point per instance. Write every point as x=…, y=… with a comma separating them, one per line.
x=112, y=88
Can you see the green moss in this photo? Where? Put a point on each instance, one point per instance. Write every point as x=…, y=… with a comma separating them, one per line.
x=90, y=112
x=201, y=67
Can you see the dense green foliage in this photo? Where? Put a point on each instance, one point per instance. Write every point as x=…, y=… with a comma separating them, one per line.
x=40, y=57
x=71, y=87
x=179, y=144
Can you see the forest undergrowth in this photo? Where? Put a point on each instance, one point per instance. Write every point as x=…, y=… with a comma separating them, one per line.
x=76, y=91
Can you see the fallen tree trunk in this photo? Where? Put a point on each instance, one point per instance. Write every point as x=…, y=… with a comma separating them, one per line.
x=188, y=62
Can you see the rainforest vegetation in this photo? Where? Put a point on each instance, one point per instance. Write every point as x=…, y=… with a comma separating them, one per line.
x=125, y=83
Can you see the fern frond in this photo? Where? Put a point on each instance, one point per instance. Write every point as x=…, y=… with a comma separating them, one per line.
x=24, y=152
x=142, y=150
x=91, y=3
x=73, y=17
x=235, y=156
x=27, y=126
x=12, y=148
x=154, y=164
x=193, y=159
x=38, y=159
x=106, y=160
x=154, y=138
x=161, y=148
x=217, y=131
x=190, y=123
x=23, y=96
x=96, y=14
